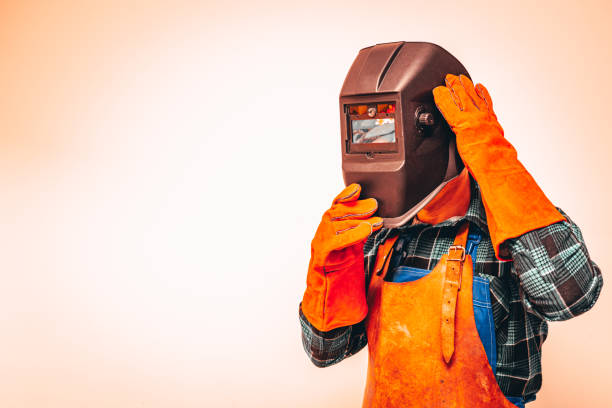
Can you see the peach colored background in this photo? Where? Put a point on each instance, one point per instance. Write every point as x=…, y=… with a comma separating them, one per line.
x=160, y=191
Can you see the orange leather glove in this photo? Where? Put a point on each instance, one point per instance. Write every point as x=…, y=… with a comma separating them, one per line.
x=513, y=202
x=335, y=285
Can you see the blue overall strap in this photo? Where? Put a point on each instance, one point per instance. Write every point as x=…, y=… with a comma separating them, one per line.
x=471, y=245
x=483, y=313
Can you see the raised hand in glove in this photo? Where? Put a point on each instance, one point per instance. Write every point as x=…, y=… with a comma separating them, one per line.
x=335, y=285
x=513, y=202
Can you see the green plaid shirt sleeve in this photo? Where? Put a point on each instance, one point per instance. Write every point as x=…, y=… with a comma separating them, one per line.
x=558, y=280
x=327, y=348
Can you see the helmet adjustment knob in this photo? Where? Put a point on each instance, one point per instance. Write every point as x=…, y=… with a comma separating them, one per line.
x=426, y=119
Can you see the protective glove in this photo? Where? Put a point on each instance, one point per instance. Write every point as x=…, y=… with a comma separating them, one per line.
x=335, y=285
x=513, y=202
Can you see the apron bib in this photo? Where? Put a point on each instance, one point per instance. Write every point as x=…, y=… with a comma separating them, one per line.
x=481, y=299
x=423, y=344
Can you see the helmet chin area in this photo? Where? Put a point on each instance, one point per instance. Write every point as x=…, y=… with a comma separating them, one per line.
x=452, y=171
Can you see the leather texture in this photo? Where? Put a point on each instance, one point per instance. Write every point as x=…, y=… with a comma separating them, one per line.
x=335, y=283
x=406, y=364
x=453, y=200
x=450, y=290
x=513, y=201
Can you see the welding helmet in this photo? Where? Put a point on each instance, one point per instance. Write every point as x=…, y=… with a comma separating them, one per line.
x=395, y=142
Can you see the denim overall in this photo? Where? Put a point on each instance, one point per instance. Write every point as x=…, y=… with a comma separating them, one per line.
x=483, y=313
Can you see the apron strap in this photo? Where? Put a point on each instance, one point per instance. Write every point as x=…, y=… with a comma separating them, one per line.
x=452, y=284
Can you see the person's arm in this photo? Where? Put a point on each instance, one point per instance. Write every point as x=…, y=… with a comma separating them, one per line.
x=331, y=347
x=334, y=305
x=558, y=280
x=513, y=202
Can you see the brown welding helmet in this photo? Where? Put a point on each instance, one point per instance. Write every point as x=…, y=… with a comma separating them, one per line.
x=395, y=142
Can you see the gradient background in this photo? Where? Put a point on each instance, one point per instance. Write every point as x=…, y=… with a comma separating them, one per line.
x=160, y=187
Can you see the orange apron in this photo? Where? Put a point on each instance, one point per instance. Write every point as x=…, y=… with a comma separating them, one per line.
x=424, y=348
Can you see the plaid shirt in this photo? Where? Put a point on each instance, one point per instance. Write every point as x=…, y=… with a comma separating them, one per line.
x=550, y=278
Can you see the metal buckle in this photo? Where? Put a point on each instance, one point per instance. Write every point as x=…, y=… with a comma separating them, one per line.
x=456, y=248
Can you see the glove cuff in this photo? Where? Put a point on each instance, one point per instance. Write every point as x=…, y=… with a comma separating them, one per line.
x=336, y=298
x=513, y=201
